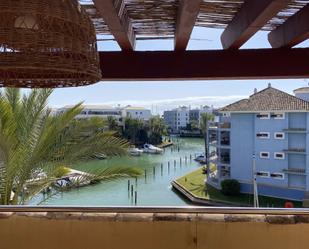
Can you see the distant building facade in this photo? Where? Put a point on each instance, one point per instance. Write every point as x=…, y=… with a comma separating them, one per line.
x=133, y=112
x=177, y=119
x=270, y=130
x=105, y=111
x=102, y=111
x=196, y=114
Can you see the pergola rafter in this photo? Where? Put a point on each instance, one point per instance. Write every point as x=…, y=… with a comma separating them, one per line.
x=294, y=31
x=250, y=19
x=130, y=20
x=115, y=16
x=187, y=15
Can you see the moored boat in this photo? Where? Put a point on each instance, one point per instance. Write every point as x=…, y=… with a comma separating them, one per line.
x=200, y=158
x=150, y=149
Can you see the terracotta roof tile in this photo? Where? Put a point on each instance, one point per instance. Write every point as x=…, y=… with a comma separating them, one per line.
x=269, y=99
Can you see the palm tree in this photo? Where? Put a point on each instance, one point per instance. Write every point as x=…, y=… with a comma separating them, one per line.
x=205, y=119
x=112, y=123
x=157, y=125
x=33, y=141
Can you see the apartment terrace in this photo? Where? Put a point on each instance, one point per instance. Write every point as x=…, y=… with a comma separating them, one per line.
x=126, y=21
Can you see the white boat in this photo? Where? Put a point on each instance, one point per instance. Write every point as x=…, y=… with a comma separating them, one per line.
x=200, y=158
x=135, y=152
x=62, y=183
x=149, y=148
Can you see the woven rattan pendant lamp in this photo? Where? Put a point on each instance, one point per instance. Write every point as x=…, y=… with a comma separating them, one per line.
x=46, y=43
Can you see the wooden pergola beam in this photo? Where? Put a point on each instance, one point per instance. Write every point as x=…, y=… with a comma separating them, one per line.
x=115, y=16
x=187, y=15
x=251, y=18
x=294, y=31
x=205, y=65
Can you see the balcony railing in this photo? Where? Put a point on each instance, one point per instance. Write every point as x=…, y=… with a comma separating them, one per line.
x=219, y=125
x=295, y=150
x=295, y=130
x=297, y=171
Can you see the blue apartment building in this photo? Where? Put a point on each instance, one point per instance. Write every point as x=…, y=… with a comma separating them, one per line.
x=268, y=130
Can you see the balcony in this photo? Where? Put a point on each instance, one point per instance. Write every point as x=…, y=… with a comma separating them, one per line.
x=295, y=171
x=153, y=228
x=225, y=138
x=225, y=172
x=213, y=159
x=213, y=137
x=225, y=159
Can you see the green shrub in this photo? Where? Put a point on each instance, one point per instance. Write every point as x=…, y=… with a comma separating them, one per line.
x=61, y=171
x=230, y=187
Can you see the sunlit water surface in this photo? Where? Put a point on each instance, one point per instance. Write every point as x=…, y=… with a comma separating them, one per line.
x=154, y=189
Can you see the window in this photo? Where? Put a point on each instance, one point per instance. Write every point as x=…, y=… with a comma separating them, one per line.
x=263, y=135
x=278, y=115
x=264, y=154
x=279, y=176
x=279, y=155
x=279, y=135
x=264, y=174
x=263, y=116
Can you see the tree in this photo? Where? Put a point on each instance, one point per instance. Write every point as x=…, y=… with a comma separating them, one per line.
x=112, y=123
x=157, y=128
x=132, y=129
x=34, y=141
x=205, y=119
x=193, y=126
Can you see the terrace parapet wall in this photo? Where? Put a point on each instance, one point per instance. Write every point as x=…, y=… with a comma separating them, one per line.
x=150, y=230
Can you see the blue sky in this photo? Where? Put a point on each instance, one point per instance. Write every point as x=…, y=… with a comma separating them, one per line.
x=165, y=95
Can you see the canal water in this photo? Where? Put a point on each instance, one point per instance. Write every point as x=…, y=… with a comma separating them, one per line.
x=152, y=190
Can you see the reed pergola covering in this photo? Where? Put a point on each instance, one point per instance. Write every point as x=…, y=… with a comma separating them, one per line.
x=158, y=18
x=47, y=43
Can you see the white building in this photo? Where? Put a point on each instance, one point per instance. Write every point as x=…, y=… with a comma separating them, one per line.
x=105, y=111
x=136, y=113
x=102, y=111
